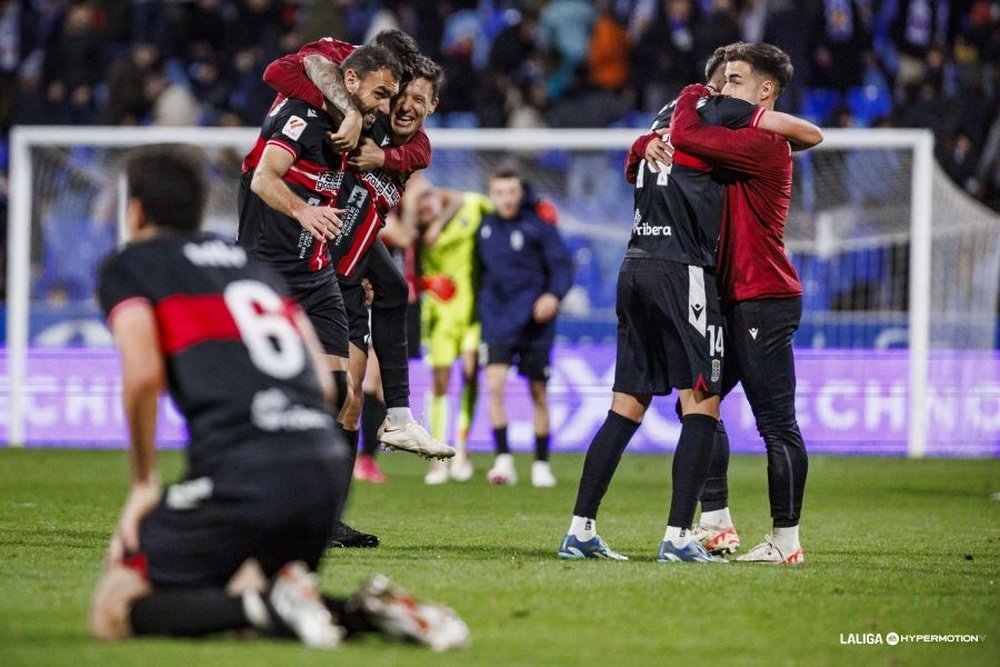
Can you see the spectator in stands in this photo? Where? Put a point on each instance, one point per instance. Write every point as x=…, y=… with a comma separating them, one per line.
x=564, y=32
x=841, y=39
x=663, y=60
x=74, y=64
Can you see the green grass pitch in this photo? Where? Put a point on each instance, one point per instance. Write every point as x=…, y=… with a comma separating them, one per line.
x=891, y=545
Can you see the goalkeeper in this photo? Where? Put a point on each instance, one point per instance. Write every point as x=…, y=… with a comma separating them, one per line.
x=449, y=221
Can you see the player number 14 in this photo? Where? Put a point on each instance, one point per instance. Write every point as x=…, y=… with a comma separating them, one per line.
x=716, y=344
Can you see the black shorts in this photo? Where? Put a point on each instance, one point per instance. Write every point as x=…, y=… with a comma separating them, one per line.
x=358, y=324
x=532, y=360
x=670, y=329
x=324, y=304
x=205, y=528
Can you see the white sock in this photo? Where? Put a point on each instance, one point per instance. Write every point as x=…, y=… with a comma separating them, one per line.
x=716, y=519
x=398, y=416
x=679, y=537
x=256, y=610
x=786, y=539
x=583, y=528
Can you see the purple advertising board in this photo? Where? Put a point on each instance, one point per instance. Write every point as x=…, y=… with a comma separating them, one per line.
x=848, y=402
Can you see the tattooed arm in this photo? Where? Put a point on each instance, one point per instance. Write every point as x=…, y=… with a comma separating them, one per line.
x=330, y=82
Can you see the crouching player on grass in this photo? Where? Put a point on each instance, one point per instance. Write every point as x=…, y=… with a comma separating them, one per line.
x=235, y=545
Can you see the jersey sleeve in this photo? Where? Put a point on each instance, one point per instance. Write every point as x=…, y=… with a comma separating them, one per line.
x=117, y=285
x=747, y=151
x=287, y=75
x=728, y=112
x=297, y=126
x=410, y=157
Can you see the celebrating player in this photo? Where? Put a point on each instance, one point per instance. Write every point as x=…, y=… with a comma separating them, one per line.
x=450, y=221
x=234, y=545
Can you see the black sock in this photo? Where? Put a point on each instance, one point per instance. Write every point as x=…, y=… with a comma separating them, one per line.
x=351, y=620
x=340, y=382
x=352, y=443
x=542, y=447
x=694, y=450
x=599, y=467
x=188, y=613
x=372, y=415
x=346, y=473
x=500, y=440
x=715, y=495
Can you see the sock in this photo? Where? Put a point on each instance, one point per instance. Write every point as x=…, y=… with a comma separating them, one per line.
x=352, y=441
x=346, y=473
x=542, y=447
x=344, y=614
x=399, y=416
x=716, y=519
x=188, y=612
x=439, y=416
x=679, y=537
x=599, y=467
x=786, y=539
x=340, y=382
x=500, y=440
x=715, y=495
x=467, y=409
x=690, y=467
x=583, y=528
x=372, y=415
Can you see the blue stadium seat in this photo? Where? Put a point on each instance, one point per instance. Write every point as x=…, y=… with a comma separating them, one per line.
x=819, y=103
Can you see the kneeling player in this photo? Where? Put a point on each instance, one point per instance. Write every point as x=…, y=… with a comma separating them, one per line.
x=235, y=544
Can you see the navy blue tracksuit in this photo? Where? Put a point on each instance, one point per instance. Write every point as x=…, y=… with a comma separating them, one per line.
x=520, y=259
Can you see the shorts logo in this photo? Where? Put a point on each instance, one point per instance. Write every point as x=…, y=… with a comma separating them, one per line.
x=716, y=370
x=294, y=127
x=753, y=332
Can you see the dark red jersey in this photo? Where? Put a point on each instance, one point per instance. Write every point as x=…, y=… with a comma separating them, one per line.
x=315, y=176
x=678, y=208
x=287, y=76
x=752, y=262
x=237, y=367
x=366, y=198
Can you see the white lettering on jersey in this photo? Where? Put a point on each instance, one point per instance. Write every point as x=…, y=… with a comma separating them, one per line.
x=294, y=127
x=215, y=253
x=272, y=411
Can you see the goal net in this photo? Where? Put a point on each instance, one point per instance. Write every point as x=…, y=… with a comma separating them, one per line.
x=896, y=352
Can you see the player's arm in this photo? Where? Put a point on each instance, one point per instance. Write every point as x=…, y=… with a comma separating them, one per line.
x=400, y=229
x=559, y=271
x=133, y=324
x=635, y=156
x=268, y=184
x=800, y=133
x=453, y=200
x=314, y=78
x=739, y=150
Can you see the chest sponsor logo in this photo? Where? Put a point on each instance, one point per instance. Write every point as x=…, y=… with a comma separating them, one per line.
x=294, y=127
x=352, y=214
x=640, y=228
x=384, y=186
x=329, y=181
x=272, y=410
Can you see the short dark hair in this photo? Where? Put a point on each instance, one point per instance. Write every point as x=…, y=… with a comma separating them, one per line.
x=169, y=180
x=506, y=169
x=367, y=59
x=716, y=60
x=399, y=43
x=765, y=59
x=426, y=68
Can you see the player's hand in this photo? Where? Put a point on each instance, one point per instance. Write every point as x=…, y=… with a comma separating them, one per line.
x=440, y=286
x=346, y=137
x=368, y=156
x=142, y=498
x=545, y=308
x=366, y=285
x=322, y=222
x=659, y=153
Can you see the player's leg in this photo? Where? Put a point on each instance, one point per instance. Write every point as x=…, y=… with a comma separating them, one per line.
x=442, y=351
x=638, y=375
x=692, y=339
x=498, y=361
x=389, y=340
x=372, y=415
x=762, y=332
x=534, y=365
x=715, y=529
x=461, y=466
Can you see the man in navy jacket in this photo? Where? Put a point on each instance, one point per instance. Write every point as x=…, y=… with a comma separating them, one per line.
x=525, y=271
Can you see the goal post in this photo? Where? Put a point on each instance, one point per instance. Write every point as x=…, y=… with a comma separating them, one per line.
x=817, y=227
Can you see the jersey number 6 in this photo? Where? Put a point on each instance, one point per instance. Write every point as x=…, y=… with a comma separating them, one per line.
x=274, y=345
